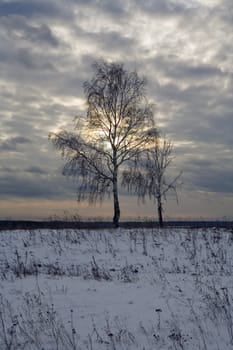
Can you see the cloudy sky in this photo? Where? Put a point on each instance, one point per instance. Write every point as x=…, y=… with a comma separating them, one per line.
x=183, y=48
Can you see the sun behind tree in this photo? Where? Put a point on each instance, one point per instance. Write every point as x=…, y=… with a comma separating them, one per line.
x=112, y=135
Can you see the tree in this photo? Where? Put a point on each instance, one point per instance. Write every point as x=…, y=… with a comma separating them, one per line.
x=148, y=178
x=113, y=133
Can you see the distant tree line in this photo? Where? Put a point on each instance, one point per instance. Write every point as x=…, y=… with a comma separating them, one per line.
x=117, y=142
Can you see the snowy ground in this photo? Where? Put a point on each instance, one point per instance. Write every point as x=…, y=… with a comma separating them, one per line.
x=116, y=289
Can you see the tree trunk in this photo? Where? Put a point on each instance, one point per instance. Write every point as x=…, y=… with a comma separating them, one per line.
x=116, y=216
x=160, y=211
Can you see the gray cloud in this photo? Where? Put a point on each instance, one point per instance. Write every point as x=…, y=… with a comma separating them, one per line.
x=17, y=27
x=27, y=8
x=214, y=178
x=184, y=49
x=35, y=185
x=168, y=7
x=175, y=68
x=31, y=61
x=13, y=143
x=36, y=170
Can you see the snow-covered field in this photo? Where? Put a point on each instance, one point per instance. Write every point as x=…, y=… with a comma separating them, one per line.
x=116, y=289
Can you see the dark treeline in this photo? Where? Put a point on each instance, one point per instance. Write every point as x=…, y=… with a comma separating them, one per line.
x=59, y=224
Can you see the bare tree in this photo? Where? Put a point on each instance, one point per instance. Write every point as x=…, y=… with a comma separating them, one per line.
x=113, y=132
x=148, y=177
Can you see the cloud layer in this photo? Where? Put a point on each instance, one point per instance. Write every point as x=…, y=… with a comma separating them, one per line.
x=184, y=49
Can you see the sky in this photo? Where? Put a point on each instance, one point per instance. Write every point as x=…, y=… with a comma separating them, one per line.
x=184, y=50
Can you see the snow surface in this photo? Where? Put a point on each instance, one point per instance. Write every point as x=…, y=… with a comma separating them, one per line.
x=116, y=289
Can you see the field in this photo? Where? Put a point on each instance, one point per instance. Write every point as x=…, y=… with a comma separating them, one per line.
x=116, y=289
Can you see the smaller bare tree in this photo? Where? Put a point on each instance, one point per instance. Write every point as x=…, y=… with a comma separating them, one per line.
x=148, y=177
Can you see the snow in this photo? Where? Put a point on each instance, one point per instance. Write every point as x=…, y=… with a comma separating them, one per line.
x=116, y=289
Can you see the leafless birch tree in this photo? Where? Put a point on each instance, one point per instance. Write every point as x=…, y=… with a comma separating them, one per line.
x=113, y=133
x=149, y=177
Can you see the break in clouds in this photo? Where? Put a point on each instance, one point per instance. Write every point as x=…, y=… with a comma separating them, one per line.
x=183, y=48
